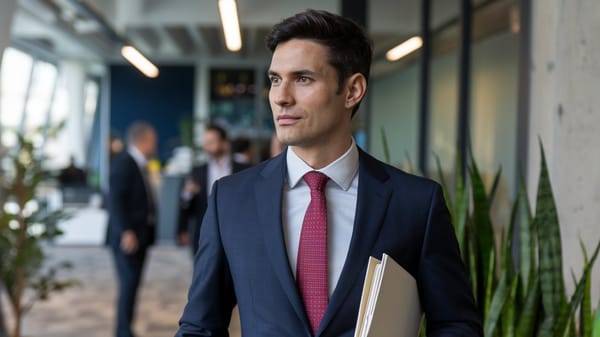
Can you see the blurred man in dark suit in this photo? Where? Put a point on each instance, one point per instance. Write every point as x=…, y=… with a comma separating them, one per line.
x=198, y=184
x=132, y=218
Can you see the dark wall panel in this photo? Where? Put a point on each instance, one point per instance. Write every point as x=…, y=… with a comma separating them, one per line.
x=164, y=102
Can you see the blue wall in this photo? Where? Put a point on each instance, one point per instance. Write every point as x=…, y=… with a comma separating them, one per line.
x=163, y=102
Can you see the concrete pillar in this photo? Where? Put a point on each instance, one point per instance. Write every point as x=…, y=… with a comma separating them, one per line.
x=74, y=75
x=7, y=12
x=565, y=100
x=201, y=100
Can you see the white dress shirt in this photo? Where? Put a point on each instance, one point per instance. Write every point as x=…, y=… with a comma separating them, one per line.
x=218, y=170
x=139, y=158
x=341, y=194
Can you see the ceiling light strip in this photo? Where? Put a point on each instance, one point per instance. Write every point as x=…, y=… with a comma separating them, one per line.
x=139, y=61
x=404, y=48
x=231, y=24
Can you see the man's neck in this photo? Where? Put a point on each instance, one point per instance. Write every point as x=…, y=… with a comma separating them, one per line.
x=318, y=157
x=220, y=160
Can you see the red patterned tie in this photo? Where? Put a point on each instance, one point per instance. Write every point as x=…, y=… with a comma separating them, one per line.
x=311, y=270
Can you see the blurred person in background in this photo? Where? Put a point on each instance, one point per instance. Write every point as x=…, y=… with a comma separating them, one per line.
x=132, y=218
x=198, y=184
x=72, y=176
x=242, y=150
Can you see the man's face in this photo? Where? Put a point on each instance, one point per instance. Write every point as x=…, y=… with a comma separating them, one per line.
x=149, y=143
x=307, y=110
x=213, y=145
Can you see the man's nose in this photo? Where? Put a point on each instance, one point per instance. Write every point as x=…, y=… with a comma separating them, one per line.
x=282, y=94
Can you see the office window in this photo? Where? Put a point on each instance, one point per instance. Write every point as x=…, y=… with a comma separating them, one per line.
x=14, y=85
x=27, y=90
x=39, y=102
x=91, y=94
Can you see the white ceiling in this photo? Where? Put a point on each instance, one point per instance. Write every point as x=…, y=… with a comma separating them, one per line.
x=185, y=30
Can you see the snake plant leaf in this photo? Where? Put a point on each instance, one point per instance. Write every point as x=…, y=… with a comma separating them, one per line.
x=507, y=247
x=489, y=285
x=567, y=314
x=459, y=208
x=495, y=184
x=482, y=224
x=527, y=242
x=493, y=317
x=585, y=312
x=508, y=312
x=549, y=245
x=445, y=187
x=596, y=327
x=528, y=315
x=386, y=148
x=473, y=271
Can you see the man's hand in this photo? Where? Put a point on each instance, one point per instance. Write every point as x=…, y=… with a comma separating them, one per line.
x=183, y=239
x=129, y=242
x=190, y=186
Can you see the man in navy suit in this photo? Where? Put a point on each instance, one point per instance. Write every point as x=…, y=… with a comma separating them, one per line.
x=253, y=247
x=132, y=218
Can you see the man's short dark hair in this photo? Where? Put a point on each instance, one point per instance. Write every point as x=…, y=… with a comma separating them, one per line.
x=218, y=129
x=350, y=49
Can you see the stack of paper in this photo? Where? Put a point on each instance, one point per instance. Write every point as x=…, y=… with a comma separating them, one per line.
x=389, y=305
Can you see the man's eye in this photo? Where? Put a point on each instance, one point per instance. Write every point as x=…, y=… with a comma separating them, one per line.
x=274, y=80
x=303, y=79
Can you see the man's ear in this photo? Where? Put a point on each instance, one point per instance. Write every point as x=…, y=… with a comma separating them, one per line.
x=356, y=87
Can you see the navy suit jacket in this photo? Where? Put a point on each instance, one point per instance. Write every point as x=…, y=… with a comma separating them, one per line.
x=129, y=205
x=242, y=257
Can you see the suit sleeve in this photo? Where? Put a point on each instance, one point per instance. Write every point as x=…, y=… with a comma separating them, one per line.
x=211, y=297
x=120, y=178
x=444, y=286
x=188, y=208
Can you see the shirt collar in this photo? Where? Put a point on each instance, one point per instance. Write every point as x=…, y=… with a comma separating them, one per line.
x=139, y=158
x=342, y=171
x=225, y=162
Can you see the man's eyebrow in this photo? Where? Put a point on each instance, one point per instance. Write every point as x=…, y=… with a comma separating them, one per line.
x=298, y=72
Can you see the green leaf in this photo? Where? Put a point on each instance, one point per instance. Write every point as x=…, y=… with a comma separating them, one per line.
x=489, y=285
x=473, y=262
x=550, y=250
x=596, y=328
x=495, y=184
x=386, y=148
x=563, y=323
x=508, y=312
x=458, y=208
x=528, y=315
x=482, y=224
x=445, y=187
x=492, y=319
x=585, y=312
x=527, y=242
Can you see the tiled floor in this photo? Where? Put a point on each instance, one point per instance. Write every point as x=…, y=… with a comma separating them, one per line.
x=88, y=311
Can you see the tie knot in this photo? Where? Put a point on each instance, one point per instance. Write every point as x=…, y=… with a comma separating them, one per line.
x=316, y=180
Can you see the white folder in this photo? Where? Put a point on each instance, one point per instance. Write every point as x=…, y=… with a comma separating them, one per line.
x=389, y=305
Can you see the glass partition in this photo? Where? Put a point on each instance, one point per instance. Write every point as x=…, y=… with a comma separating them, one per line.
x=14, y=86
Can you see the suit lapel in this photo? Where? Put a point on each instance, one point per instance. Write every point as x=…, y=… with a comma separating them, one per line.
x=372, y=203
x=269, y=192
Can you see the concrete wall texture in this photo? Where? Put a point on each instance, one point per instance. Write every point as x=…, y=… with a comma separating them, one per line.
x=564, y=108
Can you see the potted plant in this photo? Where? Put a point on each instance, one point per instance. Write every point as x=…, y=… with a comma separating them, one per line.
x=24, y=226
x=519, y=284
